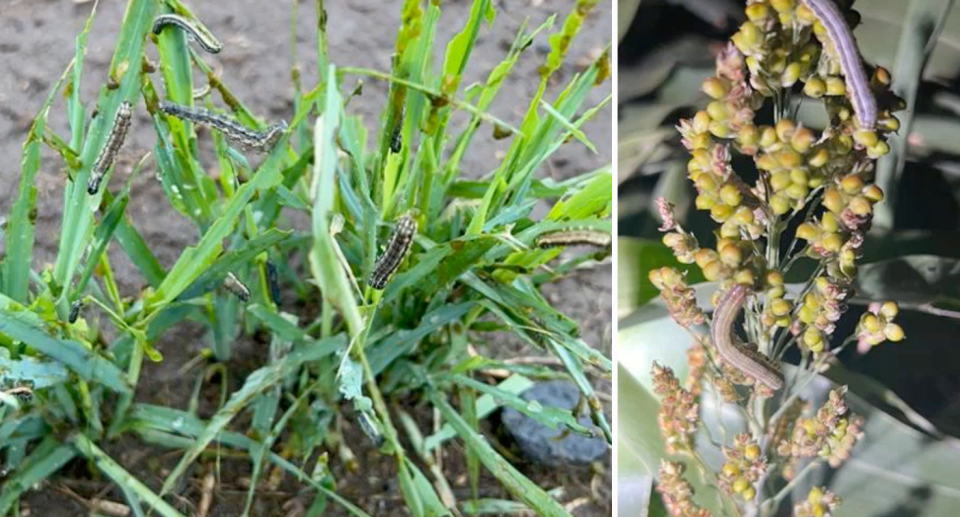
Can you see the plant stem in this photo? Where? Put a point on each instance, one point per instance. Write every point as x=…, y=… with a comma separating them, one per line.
x=774, y=503
x=379, y=404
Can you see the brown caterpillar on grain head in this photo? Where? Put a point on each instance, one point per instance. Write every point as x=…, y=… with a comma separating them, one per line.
x=397, y=247
x=108, y=153
x=232, y=284
x=575, y=238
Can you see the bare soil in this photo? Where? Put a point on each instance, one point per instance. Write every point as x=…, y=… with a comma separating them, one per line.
x=37, y=42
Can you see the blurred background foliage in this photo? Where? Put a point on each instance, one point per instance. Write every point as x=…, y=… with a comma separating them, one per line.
x=909, y=392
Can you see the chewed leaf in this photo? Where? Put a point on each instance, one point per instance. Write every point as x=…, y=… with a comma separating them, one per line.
x=350, y=379
x=39, y=374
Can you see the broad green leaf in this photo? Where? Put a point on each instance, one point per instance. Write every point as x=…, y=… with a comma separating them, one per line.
x=40, y=374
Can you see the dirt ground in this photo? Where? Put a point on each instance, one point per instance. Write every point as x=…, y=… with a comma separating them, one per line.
x=37, y=42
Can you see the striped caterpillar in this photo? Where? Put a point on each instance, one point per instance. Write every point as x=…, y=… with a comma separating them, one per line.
x=369, y=428
x=260, y=141
x=748, y=361
x=273, y=282
x=397, y=247
x=396, y=136
x=194, y=31
x=855, y=78
x=108, y=153
x=574, y=238
x=75, y=311
x=232, y=284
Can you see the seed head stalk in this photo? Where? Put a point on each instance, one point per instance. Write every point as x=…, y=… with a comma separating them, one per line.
x=823, y=180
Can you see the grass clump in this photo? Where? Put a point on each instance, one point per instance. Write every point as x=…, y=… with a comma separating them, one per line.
x=72, y=347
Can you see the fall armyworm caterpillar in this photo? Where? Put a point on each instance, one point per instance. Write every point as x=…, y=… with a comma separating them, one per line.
x=369, y=428
x=273, y=281
x=260, y=141
x=121, y=123
x=194, y=31
x=858, y=87
x=396, y=137
x=735, y=354
x=232, y=284
x=75, y=311
x=574, y=238
x=397, y=247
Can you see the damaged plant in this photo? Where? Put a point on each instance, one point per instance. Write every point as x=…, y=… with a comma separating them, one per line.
x=810, y=199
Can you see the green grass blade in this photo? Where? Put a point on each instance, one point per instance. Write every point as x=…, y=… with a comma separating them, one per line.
x=461, y=46
x=121, y=477
x=256, y=383
x=154, y=424
x=399, y=343
x=325, y=265
x=921, y=29
x=421, y=498
x=136, y=249
x=576, y=372
x=212, y=277
x=569, y=126
x=194, y=260
x=75, y=110
x=101, y=237
x=516, y=483
x=593, y=200
x=20, y=239
x=485, y=406
x=548, y=416
x=440, y=266
x=45, y=460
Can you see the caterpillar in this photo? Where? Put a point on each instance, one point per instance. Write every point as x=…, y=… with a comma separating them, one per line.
x=854, y=75
x=75, y=311
x=396, y=136
x=273, y=282
x=748, y=361
x=397, y=247
x=369, y=428
x=574, y=238
x=260, y=141
x=194, y=31
x=232, y=284
x=108, y=153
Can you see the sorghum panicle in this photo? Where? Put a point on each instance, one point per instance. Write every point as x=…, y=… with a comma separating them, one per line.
x=676, y=492
x=679, y=415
